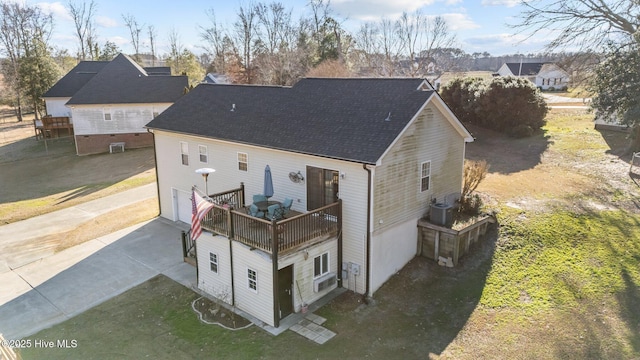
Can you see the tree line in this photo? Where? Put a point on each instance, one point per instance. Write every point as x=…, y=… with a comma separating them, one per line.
x=265, y=44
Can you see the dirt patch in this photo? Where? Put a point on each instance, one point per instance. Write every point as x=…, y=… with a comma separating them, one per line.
x=570, y=164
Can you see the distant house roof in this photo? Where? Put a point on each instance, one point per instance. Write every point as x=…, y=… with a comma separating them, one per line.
x=158, y=70
x=347, y=119
x=213, y=78
x=524, y=69
x=123, y=81
x=75, y=79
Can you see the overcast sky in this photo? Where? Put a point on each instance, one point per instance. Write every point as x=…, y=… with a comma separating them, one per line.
x=480, y=25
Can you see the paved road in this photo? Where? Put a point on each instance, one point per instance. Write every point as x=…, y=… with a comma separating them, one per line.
x=53, y=287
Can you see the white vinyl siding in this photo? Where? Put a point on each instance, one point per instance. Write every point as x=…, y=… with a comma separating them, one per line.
x=217, y=284
x=353, y=187
x=125, y=118
x=398, y=201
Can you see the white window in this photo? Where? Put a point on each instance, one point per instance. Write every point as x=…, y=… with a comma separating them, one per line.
x=204, y=154
x=107, y=114
x=252, y=280
x=321, y=265
x=425, y=176
x=213, y=262
x=184, y=149
x=243, y=161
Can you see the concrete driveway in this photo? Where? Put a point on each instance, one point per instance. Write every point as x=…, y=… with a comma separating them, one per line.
x=53, y=288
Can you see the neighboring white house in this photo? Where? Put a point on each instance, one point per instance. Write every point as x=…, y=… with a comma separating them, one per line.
x=362, y=159
x=544, y=75
x=111, y=102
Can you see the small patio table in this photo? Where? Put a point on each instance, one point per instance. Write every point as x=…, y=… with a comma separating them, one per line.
x=264, y=205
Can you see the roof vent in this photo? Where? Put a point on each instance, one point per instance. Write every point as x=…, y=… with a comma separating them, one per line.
x=388, y=117
x=233, y=107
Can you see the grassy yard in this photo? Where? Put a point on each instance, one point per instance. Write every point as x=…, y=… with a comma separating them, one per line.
x=36, y=181
x=558, y=279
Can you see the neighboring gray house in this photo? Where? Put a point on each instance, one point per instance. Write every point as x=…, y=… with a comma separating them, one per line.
x=362, y=159
x=544, y=75
x=110, y=102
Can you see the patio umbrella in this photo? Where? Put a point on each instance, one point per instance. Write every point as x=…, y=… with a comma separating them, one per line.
x=268, y=183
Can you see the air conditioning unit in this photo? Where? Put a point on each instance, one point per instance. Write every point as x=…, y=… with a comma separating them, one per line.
x=441, y=214
x=324, y=282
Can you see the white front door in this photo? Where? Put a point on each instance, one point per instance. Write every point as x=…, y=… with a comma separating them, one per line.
x=182, y=206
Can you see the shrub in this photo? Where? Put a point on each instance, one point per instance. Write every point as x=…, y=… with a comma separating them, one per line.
x=474, y=173
x=507, y=104
x=461, y=95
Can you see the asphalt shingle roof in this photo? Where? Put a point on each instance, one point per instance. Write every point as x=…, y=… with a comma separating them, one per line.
x=527, y=68
x=75, y=79
x=122, y=81
x=336, y=118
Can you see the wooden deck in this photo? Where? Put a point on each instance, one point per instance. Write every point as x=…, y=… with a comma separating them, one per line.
x=230, y=218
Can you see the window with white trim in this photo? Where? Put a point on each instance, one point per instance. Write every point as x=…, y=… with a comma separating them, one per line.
x=321, y=265
x=252, y=280
x=204, y=154
x=184, y=150
x=425, y=176
x=107, y=114
x=243, y=161
x=213, y=262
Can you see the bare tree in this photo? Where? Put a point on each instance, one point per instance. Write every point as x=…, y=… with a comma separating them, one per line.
x=151, y=30
x=83, y=18
x=245, y=34
x=419, y=37
x=134, y=30
x=587, y=24
x=175, y=47
x=216, y=43
x=24, y=36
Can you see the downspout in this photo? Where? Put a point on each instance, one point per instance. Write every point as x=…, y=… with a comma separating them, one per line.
x=155, y=159
x=368, y=241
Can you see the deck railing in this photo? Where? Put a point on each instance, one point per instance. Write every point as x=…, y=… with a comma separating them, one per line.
x=259, y=233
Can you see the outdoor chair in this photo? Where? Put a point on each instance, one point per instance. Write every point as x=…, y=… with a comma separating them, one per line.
x=259, y=198
x=275, y=212
x=286, y=206
x=253, y=211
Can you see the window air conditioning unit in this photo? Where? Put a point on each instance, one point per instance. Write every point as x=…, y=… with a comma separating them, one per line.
x=324, y=282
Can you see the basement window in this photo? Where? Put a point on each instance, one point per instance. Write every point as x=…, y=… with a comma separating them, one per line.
x=320, y=265
x=252, y=280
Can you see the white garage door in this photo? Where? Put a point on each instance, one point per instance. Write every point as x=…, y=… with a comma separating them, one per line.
x=182, y=205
